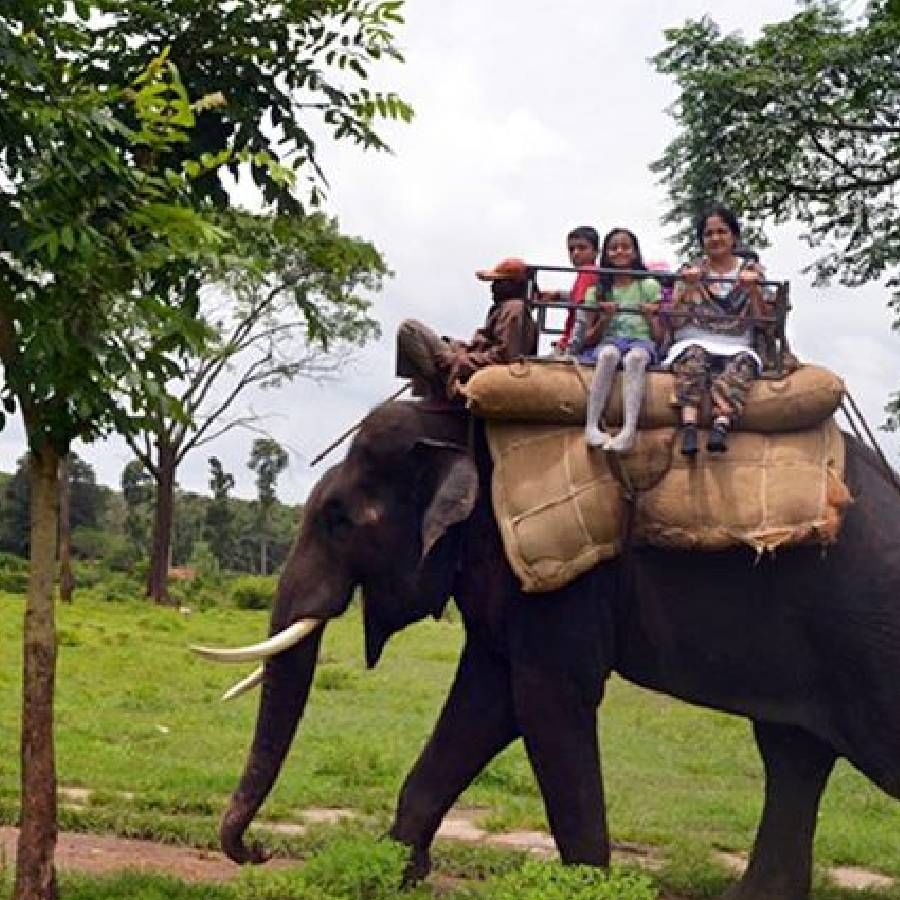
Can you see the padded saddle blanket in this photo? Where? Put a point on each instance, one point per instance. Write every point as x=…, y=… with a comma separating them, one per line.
x=562, y=509
x=552, y=391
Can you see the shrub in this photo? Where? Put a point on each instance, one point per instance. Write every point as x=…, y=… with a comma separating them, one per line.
x=120, y=554
x=115, y=550
x=200, y=584
x=14, y=582
x=13, y=573
x=538, y=880
x=116, y=587
x=360, y=867
x=199, y=593
x=349, y=868
x=89, y=543
x=9, y=562
x=253, y=592
x=204, y=562
x=88, y=573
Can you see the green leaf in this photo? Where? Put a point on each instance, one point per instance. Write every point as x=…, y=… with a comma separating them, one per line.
x=52, y=246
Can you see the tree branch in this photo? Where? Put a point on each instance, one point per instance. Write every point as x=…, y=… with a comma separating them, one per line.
x=241, y=422
x=831, y=155
x=250, y=375
x=144, y=455
x=857, y=127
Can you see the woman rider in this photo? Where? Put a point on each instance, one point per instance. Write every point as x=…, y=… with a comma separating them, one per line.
x=714, y=330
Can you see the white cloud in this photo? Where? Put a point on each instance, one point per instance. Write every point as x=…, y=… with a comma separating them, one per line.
x=531, y=118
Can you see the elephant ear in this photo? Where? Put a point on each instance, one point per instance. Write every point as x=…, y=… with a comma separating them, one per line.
x=455, y=491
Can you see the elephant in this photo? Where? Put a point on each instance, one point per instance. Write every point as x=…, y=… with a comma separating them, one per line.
x=805, y=645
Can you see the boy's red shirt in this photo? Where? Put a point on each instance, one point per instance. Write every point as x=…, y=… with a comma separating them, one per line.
x=586, y=278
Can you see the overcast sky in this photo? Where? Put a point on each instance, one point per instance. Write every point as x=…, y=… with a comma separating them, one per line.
x=531, y=118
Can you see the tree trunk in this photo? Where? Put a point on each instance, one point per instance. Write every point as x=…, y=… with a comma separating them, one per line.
x=66, y=578
x=158, y=577
x=263, y=559
x=35, y=873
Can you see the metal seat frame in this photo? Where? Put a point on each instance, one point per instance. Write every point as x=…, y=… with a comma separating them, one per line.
x=782, y=305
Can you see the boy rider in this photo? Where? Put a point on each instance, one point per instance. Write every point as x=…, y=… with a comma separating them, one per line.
x=583, y=244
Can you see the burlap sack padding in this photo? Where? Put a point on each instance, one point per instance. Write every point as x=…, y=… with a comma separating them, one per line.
x=556, y=392
x=561, y=509
x=768, y=490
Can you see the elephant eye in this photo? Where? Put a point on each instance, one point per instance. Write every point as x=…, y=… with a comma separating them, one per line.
x=335, y=518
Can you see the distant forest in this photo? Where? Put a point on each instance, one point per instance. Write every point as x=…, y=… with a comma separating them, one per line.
x=113, y=527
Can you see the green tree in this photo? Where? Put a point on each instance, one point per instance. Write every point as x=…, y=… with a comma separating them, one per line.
x=289, y=298
x=188, y=522
x=800, y=124
x=90, y=211
x=245, y=557
x=219, y=532
x=268, y=459
x=88, y=503
x=15, y=513
x=80, y=504
x=89, y=499
x=283, y=527
x=283, y=70
x=277, y=69
x=137, y=492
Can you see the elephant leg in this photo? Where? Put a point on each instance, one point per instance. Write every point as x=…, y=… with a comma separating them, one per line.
x=797, y=767
x=475, y=724
x=558, y=721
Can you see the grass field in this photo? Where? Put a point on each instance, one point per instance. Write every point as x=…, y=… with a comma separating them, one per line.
x=137, y=713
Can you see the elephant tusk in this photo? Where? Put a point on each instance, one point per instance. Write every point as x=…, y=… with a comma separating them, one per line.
x=278, y=643
x=246, y=684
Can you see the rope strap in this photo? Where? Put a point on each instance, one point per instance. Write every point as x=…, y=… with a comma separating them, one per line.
x=848, y=404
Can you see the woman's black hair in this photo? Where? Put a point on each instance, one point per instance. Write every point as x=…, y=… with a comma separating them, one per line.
x=586, y=233
x=726, y=215
x=606, y=281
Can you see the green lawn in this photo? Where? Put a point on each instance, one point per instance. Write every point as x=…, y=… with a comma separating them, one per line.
x=137, y=712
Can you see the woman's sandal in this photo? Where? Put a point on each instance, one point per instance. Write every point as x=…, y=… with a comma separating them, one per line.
x=718, y=440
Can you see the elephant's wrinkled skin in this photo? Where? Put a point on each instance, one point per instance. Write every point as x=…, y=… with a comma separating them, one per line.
x=806, y=645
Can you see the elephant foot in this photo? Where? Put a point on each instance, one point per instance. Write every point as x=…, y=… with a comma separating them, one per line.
x=417, y=868
x=254, y=854
x=418, y=865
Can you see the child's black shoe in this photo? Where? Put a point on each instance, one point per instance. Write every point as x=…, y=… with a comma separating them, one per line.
x=689, y=440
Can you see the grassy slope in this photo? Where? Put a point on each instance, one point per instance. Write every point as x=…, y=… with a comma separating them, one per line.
x=137, y=712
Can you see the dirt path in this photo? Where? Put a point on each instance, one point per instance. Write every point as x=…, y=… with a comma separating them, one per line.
x=103, y=854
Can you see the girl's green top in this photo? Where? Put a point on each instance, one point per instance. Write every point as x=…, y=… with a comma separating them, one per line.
x=629, y=296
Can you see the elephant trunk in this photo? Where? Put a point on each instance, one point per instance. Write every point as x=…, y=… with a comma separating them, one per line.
x=285, y=690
